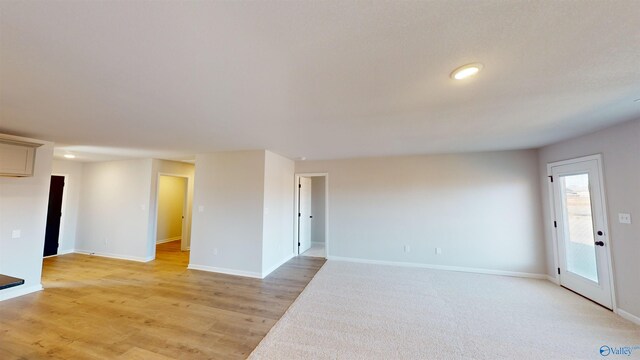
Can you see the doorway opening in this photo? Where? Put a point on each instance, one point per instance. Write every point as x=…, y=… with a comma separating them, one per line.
x=582, y=243
x=54, y=215
x=311, y=225
x=171, y=225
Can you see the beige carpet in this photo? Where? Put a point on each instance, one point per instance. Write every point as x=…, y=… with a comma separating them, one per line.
x=361, y=311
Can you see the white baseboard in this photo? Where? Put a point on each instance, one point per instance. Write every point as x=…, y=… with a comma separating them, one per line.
x=65, y=252
x=115, y=256
x=442, y=267
x=20, y=290
x=629, y=316
x=273, y=268
x=168, y=240
x=214, y=269
x=553, y=279
x=62, y=252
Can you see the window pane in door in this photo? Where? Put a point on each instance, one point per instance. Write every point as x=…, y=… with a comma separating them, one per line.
x=580, y=249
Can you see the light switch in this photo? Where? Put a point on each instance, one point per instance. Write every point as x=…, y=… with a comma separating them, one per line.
x=200, y=208
x=624, y=218
x=16, y=234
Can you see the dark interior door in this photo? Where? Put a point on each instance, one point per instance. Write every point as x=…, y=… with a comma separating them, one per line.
x=53, y=215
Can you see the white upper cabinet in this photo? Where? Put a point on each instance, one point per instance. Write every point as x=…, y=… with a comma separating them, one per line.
x=17, y=157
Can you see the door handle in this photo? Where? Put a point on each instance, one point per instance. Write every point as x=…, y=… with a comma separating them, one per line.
x=599, y=243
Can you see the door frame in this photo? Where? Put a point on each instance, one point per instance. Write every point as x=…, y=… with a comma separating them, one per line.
x=63, y=210
x=185, y=207
x=297, y=177
x=554, y=230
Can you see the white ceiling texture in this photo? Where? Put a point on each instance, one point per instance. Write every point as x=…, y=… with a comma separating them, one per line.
x=314, y=79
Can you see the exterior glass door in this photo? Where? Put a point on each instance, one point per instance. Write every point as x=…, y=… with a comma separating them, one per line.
x=581, y=233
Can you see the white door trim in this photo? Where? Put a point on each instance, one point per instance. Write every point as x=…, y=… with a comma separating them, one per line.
x=598, y=158
x=297, y=177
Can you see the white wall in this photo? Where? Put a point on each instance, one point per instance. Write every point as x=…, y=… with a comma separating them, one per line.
x=172, y=192
x=23, y=206
x=70, y=203
x=482, y=209
x=229, y=187
x=317, y=209
x=620, y=148
x=115, y=209
x=174, y=168
x=279, y=190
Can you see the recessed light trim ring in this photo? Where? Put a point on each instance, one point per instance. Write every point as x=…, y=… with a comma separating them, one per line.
x=466, y=71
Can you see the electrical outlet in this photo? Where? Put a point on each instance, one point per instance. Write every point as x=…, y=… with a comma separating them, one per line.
x=438, y=251
x=624, y=218
x=16, y=234
x=407, y=248
x=215, y=251
x=200, y=208
x=105, y=240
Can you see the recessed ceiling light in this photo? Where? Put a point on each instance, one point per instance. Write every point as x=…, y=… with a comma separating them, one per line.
x=466, y=71
x=69, y=156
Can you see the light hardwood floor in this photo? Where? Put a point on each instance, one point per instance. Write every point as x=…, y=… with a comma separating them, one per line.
x=99, y=308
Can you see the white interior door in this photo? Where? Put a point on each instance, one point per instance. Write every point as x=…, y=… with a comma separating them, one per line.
x=583, y=243
x=304, y=214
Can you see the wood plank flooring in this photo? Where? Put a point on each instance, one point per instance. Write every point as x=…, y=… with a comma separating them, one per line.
x=99, y=308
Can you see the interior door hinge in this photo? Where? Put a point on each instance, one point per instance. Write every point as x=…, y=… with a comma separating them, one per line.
x=558, y=271
x=299, y=186
x=299, y=214
x=551, y=178
x=555, y=224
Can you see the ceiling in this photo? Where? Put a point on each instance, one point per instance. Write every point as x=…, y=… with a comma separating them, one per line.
x=321, y=80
